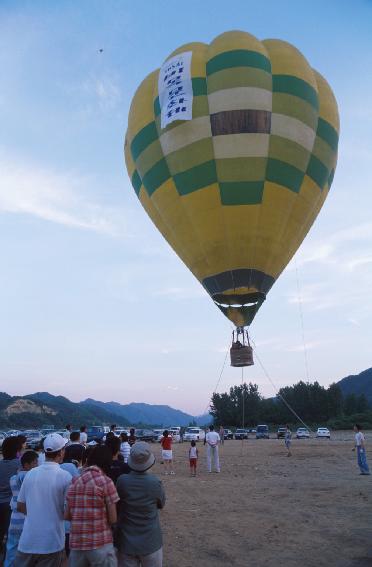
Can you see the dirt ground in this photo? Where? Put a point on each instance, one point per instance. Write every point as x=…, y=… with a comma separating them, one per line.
x=267, y=510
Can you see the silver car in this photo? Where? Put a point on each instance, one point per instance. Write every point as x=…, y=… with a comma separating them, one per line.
x=302, y=433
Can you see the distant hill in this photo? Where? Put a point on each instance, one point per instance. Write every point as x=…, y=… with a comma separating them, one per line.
x=358, y=384
x=160, y=415
x=36, y=410
x=42, y=408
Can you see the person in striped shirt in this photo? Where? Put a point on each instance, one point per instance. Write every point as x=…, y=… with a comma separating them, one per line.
x=124, y=447
x=29, y=460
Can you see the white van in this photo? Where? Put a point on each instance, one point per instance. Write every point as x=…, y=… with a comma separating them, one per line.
x=176, y=434
x=194, y=434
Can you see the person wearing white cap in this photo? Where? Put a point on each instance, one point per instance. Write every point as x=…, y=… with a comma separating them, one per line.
x=141, y=496
x=42, y=499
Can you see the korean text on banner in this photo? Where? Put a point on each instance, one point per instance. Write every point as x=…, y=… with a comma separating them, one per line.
x=175, y=89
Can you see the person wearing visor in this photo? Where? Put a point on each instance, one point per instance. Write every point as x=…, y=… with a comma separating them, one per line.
x=141, y=496
x=41, y=499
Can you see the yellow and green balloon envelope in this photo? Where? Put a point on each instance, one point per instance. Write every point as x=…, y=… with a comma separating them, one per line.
x=231, y=148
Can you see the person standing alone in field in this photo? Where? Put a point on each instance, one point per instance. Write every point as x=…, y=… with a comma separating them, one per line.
x=288, y=440
x=193, y=458
x=361, y=450
x=222, y=435
x=212, y=439
x=167, y=453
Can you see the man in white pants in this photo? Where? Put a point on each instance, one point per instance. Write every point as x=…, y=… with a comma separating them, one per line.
x=212, y=439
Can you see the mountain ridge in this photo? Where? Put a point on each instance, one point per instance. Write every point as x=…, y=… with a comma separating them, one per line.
x=358, y=384
x=40, y=408
x=151, y=414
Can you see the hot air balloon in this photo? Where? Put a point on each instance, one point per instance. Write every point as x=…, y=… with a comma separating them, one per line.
x=231, y=148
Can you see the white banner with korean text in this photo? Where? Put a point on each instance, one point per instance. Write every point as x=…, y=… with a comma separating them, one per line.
x=175, y=89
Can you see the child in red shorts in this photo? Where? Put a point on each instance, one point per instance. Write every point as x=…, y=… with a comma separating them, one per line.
x=193, y=457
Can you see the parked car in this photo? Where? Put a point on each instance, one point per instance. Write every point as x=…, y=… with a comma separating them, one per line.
x=194, y=434
x=145, y=435
x=120, y=430
x=252, y=430
x=44, y=432
x=228, y=434
x=262, y=432
x=158, y=433
x=280, y=434
x=13, y=433
x=241, y=434
x=323, y=432
x=176, y=434
x=302, y=433
x=95, y=433
x=33, y=438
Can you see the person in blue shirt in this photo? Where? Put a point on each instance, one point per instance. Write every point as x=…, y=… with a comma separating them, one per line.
x=29, y=460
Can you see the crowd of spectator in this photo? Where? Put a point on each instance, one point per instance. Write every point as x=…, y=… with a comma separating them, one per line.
x=88, y=505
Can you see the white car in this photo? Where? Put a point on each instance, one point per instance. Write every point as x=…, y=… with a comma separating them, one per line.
x=323, y=432
x=159, y=434
x=302, y=433
x=194, y=434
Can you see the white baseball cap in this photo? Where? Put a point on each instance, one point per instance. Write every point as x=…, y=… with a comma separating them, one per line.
x=54, y=442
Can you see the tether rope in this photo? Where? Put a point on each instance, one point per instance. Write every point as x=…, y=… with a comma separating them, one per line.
x=302, y=322
x=276, y=389
x=219, y=380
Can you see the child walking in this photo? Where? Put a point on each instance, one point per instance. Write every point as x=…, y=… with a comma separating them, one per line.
x=193, y=458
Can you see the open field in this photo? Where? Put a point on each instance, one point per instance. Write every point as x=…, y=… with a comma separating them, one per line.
x=266, y=510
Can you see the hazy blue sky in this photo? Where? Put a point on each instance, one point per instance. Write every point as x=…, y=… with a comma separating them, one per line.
x=93, y=301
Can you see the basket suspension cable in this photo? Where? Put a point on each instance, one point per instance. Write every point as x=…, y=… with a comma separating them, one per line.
x=219, y=378
x=277, y=392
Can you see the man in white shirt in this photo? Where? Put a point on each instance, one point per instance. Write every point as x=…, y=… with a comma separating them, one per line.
x=42, y=498
x=83, y=435
x=361, y=450
x=212, y=439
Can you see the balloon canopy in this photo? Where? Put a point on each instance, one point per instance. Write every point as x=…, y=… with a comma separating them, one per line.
x=231, y=148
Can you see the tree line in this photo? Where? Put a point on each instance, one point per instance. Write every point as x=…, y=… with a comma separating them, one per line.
x=244, y=406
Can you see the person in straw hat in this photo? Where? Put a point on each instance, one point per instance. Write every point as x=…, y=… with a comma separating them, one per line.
x=141, y=496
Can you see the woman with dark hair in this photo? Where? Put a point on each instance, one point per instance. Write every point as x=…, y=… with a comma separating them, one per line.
x=117, y=466
x=99, y=456
x=9, y=466
x=21, y=444
x=91, y=509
